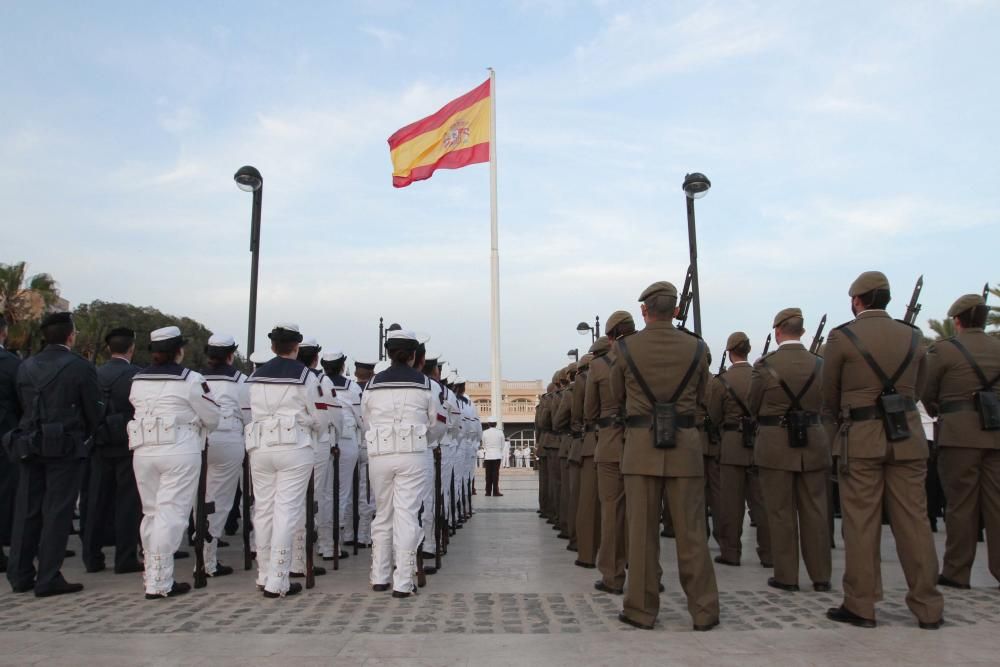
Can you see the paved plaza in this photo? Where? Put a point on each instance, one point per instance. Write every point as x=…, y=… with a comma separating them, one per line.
x=508, y=594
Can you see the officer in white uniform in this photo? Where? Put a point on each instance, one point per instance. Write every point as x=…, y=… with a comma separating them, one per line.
x=450, y=444
x=398, y=411
x=363, y=373
x=286, y=409
x=436, y=431
x=349, y=398
x=493, y=454
x=225, y=444
x=174, y=411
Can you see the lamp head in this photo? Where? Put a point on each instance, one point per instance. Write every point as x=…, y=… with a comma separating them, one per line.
x=248, y=179
x=696, y=185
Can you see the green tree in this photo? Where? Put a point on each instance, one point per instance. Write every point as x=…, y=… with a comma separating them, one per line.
x=24, y=300
x=942, y=328
x=993, y=319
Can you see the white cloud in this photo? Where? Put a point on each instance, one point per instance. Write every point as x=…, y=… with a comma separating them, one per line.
x=385, y=37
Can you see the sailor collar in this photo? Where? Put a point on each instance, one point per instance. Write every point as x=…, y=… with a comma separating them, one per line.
x=281, y=371
x=163, y=372
x=225, y=373
x=399, y=377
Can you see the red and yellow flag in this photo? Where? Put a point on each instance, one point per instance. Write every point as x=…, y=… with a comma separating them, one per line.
x=455, y=136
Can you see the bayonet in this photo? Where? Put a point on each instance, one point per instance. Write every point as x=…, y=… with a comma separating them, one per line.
x=818, y=338
x=767, y=345
x=684, y=302
x=913, y=308
x=722, y=364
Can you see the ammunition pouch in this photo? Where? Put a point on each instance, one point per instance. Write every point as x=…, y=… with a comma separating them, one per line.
x=748, y=431
x=664, y=425
x=893, y=407
x=797, y=426
x=988, y=406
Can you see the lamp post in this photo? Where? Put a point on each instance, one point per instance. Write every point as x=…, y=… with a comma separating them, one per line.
x=381, y=339
x=595, y=331
x=574, y=354
x=695, y=187
x=249, y=179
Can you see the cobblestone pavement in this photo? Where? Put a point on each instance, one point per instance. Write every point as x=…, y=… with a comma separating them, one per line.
x=508, y=594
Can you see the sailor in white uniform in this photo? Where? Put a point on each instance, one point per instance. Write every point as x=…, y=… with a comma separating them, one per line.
x=398, y=411
x=287, y=409
x=225, y=443
x=436, y=431
x=349, y=398
x=175, y=410
x=363, y=373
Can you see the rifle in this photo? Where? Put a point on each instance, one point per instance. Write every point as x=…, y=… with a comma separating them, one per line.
x=438, y=508
x=986, y=291
x=684, y=302
x=471, y=488
x=421, y=575
x=335, y=450
x=913, y=308
x=767, y=344
x=247, y=550
x=818, y=338
x=452, y=530
x=310, y=529
x=356, y=514
x=722, y=364
x=201, y=512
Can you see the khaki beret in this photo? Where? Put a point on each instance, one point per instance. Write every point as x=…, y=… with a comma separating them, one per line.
x=569, y=370
x=601, y=346
x=735, y=339
x=657, y=289
x=618, y=317
x=555, y=377
x=550, y=388
x=562, y=376
x=868, y=281
x=964, y=303
x=585, y=361
x=786, y=314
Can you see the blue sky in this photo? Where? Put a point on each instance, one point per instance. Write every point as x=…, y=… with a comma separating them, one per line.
x=839, y=137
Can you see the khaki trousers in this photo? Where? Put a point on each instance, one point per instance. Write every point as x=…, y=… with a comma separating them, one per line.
x=739, y=485
x=643, y=496
x=588, y=518
x=612, y=554
x=554, y=487
x=864, y=487
x=564, y=489
x=712, y=493
x=796, y=507
x=543, y=482
x=971, y=481
x=573, y=501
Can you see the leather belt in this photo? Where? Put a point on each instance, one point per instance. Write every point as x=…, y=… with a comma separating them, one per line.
x=729, y=426
x=957, y=406
x=605, y=422
x=875, y=412
x=590, y=428
x=779, y=420
x=577, y=435
x=645, y=421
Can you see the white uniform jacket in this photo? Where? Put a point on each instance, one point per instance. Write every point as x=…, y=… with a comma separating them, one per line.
x=327, y=436
x=398, y=411
x=349, y=398
x=493, y=444
x=174, y=411
x=286, y=406
x=230, y=390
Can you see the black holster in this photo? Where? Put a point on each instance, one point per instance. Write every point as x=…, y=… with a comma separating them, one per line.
x=988, y=407
x=664, y=425
x=797, y=425
x=748, y=431
x=894, y=407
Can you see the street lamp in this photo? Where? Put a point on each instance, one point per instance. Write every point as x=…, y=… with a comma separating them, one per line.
x=574, y=354
x=595, y=331
x=695, y=187
x=249, y=179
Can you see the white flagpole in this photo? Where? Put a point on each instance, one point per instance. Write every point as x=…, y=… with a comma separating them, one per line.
x=494, y=263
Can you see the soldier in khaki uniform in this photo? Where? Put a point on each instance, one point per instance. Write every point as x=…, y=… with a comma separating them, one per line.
x=792, y=454
x=542, y=423
x=874, y=469
x=588, y=519
x=969, y=456
x=552, y=452
x=728, y=406
x=575, y=459
x=671, y=365
x=561, y=424
x=604, y=410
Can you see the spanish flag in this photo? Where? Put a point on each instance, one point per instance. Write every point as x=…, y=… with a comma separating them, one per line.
x=455, y=136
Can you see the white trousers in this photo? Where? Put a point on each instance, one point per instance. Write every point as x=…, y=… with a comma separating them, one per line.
x=398, y=483
x=430, y=541
x=280, y=479
x=348, y=460
x=448, y=456
x=366, y=498
x=225, y=466
x=167, y=486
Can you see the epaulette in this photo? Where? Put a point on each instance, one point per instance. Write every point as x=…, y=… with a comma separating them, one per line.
x=836, y=328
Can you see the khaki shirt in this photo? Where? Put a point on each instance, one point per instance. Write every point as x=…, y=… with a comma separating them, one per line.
x=950, y=378
x=561, y=420
x=600, y=404
x=724, y=412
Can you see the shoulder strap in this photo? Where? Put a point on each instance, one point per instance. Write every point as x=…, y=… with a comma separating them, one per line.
x=732, y=392
x=888, y=384
x=642, y=382
x=987, y=384
x=792, y=396
x=635, y=371
x=605, y=359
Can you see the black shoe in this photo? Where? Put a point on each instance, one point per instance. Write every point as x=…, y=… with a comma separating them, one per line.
x=604, y=588
x=401, y=594
x=129, y=569
x=488, y=494
x=381, y=588
x=343, y=556
x=429, y=570
x=362, y=545
x=100, y=567
x=571, y=547
x=349, y=544
x=842, y=615
x=951, y=583
x=764, y=564
x=931, y=626
x=705, y=627
x=70, y=553
x=317, y=571
x=563, y=536
x=635, y=624
x=221, y=570
x=662, y=588
x=774, y=583
x=427, y=556
x=580, y=563
x=61, y=588
x=222, y=543
x=293, y=589
x=23, y=588
x=667, y=533
x=3, y=561
x=496, y=495
x=180, y=555
x=725, y=561
x=821, y=586
x=179, y=588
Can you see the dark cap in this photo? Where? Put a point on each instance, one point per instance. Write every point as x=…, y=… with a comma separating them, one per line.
x=364, y=364
x=120, y=332
x=868, y=281
x=964, y=303
x=661, y=288
x=735, y=339
x=786, y=314
x=57, y=318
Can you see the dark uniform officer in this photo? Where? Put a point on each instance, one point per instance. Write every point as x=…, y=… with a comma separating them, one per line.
x=663, y=371
x=62, y=407
x=792, y=454
x=114, y=496
x=883, y=453
x=10, y=414
x=960, y=371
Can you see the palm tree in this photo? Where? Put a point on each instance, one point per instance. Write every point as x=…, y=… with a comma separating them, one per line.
x=993, y=319
x=943, y=328
x=24, y=301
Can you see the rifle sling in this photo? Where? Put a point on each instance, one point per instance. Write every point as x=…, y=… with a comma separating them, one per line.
x=888, y=384
x=792, y=396
x=642, y=381
x=987, y=385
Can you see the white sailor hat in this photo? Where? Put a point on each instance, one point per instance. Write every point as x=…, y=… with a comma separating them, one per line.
x=458, y=379
x=423, y=338
x=221, y=340
x=432, y=357
x=285, y=332
x=166, y=339
x=362, y=363
x=261, y=357
x=333, y=355
x=382, y=366
x=401, y=339
x=309, y=341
